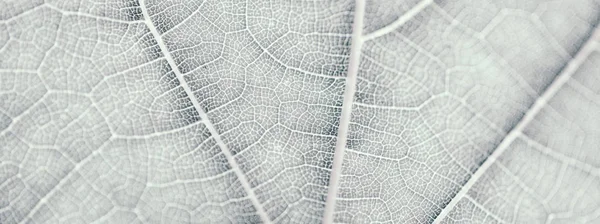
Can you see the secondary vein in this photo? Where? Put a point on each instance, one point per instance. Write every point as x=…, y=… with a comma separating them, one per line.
x=562, y=78
x=204, y=117
x=400, y=21
x=350, y=90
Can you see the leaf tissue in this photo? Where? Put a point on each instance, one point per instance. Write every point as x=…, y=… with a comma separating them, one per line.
x=303, y=111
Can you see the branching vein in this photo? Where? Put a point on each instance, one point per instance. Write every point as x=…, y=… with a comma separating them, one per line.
x=340, y=145
x=216, y=136
x=539, y=104
x=400, y=21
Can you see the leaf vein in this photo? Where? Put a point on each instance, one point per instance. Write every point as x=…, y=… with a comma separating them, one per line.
x=213, y=131
x=559, y=81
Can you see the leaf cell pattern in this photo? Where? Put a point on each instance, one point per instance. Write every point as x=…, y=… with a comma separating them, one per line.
x=336, y=111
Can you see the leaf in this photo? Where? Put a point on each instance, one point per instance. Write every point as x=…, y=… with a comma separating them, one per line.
x=299, y=111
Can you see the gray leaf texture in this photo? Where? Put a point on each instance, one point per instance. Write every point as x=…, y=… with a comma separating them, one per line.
x=308, y=111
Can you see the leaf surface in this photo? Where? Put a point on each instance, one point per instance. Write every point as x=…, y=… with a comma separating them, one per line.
x=298, y=111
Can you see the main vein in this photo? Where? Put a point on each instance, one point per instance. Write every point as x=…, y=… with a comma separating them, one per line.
x=358, y=38
x=340, y=145
x=539, y=104
x=204, y=117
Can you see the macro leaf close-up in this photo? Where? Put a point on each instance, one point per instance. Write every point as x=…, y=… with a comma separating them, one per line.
x=299, y=111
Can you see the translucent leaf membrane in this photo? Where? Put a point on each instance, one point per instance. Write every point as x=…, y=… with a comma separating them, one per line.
x=123, y=111
x=437, y=94
x=550, y=172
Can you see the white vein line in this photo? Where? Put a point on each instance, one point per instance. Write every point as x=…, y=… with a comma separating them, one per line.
x=399, y=22
x=539, y=104
x=349, y=91
x=483, y=208
x=230, y=159
x=64, y=180
x=563, y=158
